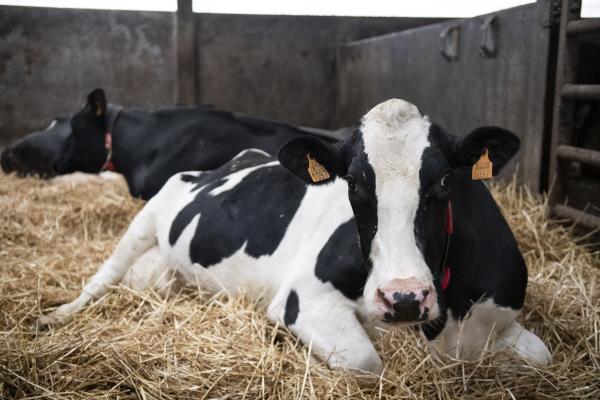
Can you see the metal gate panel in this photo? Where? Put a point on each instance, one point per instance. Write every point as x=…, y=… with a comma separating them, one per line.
x=491, y=80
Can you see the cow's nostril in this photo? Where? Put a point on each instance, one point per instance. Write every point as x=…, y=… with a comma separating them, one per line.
x=382, y=298
x=399, y=297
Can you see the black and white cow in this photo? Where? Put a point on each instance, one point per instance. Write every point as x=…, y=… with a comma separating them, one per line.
x=35, y=153
x=147, y=148
x=364, y=247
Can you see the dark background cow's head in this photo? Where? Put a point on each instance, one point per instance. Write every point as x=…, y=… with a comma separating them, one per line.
x=35, y=153
x=400, y=168
x=84, y=149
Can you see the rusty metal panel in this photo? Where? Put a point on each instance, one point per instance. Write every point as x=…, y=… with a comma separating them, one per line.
x=492, y=80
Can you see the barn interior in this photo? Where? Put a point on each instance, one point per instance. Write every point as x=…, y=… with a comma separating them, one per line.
x=532, y=69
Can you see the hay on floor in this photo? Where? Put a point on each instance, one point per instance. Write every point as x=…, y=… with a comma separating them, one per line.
x=129, y=344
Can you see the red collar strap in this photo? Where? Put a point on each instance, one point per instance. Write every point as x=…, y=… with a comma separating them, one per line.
x=449, y=228
x=112, y=113
x=108, y=164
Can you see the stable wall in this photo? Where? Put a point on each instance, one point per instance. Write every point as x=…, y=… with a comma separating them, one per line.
x=51, y=58
x=270, y=66
x=278, y=66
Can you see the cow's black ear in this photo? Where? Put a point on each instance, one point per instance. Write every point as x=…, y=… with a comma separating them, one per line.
x=501, y=144
x=97, y=102
x=311, y=159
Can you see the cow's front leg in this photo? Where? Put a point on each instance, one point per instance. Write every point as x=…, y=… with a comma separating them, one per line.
x=138, y=239
x=152, y=271
x=328, y=324
x=488, y=327
x=524, y=342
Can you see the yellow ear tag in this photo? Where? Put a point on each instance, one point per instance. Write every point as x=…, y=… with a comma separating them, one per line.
x=98, y=109
x=482, y=169
x=316, y=171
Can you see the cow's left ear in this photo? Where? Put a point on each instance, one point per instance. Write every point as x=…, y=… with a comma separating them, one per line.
x=97, y=102
x=312, y=160
x=501, y=144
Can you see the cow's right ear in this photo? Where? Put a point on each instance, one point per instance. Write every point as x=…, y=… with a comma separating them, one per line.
x=312, y=160
x=97, y=102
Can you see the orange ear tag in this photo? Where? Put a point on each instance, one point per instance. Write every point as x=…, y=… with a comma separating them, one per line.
x=482, y=169
x=316, y=171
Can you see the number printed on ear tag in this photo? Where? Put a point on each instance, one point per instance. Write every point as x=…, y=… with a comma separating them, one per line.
x=316, y=171
x=482, y=169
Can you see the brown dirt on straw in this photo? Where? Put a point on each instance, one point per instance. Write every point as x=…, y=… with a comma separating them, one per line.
x=129, y=344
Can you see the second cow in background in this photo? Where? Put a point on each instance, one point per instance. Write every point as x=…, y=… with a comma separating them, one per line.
x=146, y=147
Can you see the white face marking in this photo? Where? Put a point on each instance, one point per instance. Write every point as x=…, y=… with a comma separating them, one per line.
x=395, y=136
x=51, y=125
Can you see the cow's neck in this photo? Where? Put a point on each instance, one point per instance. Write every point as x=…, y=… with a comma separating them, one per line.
x=480, y=233
x=112, y=113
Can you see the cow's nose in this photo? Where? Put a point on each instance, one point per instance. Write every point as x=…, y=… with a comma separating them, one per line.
x=406, y=300
x=5, y=160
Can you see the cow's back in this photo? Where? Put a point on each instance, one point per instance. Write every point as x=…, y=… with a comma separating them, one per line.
x=182, y=139
x=249, y=224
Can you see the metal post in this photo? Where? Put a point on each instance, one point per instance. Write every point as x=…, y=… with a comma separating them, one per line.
x=563, y=107
x=185, y=41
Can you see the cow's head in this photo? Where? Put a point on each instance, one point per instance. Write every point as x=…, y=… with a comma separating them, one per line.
x=399, y=167
x=83, y=149
x=34, y=153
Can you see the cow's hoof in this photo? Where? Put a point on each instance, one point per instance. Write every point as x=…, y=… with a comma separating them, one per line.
x=367, y=365
x=39, y=326
x=45, y=322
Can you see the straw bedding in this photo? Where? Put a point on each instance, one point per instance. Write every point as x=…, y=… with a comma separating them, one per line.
x=129, y=344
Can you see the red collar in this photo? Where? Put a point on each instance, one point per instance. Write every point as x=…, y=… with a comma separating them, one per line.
x=108, y=164
x=110, y=118
x=449, y=228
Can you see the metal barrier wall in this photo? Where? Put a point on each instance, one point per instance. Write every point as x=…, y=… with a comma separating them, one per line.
x=494, y=69
x=279, y=66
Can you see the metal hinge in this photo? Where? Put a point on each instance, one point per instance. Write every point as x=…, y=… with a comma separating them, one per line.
x=449, y=39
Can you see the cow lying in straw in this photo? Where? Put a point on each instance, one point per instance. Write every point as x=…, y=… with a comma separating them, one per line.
x=147, y=148
x=339, y=239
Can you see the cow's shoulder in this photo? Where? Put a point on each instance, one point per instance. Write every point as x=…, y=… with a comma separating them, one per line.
x=341, y=263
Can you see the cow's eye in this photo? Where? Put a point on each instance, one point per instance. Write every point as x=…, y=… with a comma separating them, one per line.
x=445, y=181
x=351, y=185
